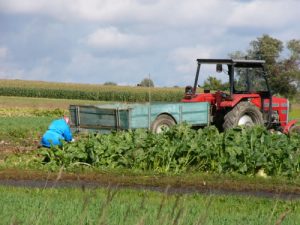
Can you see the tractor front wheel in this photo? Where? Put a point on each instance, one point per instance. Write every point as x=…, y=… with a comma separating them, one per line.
x=161, y=123
x=243, y=114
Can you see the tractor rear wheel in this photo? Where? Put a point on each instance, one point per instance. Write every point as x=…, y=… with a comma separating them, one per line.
x=161, y=123
x=294, y=130
x=243, y=114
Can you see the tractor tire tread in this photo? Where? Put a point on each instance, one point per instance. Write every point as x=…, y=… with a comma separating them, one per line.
x=232, y=117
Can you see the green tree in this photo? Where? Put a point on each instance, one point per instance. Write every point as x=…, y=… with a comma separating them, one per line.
x=146, y=82
x=283, y=73
x=266, y=48
x=212, y=83
x=294, y=47
x=109, y=83
x=293, y=63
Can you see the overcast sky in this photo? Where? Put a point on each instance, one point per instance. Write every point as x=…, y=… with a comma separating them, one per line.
x=95, y=41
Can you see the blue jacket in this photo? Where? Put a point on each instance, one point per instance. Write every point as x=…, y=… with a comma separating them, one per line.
x=57, y=131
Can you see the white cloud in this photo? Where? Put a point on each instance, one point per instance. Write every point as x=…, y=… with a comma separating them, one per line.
x=185, y=57
x=3, y=52
x=265, y=14
x=101, y=69
x=11, y=71
x=42, y=70
x=171, y=12
x=95, y=10
x=161, y=37
x=112, y=38
x=178, y=13
x=53, y=8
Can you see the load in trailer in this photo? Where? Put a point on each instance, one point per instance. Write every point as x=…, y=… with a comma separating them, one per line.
x=248, y=101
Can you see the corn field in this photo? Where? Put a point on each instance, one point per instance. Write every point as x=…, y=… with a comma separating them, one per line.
x=88, y=92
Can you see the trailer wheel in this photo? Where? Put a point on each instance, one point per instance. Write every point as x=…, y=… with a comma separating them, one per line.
x=243, y=114
x=161, y=123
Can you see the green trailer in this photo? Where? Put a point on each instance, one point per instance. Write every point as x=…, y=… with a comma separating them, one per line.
x=105, y=118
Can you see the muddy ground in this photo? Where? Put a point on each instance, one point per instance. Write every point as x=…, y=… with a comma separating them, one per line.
x=171, y=185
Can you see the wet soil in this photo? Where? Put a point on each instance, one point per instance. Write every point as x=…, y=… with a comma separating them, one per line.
x=170, y=185
x=168, y=189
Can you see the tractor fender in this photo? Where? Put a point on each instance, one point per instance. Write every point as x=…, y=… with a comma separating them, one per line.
x=288, y=126
x=237, y=98
x=166, y=114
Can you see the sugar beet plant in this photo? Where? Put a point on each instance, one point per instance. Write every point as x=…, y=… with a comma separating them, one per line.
x=181, y=149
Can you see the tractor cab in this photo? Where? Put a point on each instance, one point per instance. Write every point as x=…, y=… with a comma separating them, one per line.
x=247, y=100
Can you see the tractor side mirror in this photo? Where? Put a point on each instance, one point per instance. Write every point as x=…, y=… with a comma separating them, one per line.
x=219, y=68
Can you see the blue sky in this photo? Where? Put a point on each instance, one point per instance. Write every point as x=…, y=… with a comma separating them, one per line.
x=123, y=41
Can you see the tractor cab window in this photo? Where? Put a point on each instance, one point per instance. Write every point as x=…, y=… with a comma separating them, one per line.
x=249, y=80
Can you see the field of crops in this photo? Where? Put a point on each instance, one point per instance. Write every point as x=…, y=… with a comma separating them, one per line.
x=295, y=112
x=27, y=103
x=21, y=134
x=111, y=206
x=88, y=92
x=180, y=149
x=180, y=156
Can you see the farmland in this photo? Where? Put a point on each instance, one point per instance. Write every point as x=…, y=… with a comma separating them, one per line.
x=178, y=150
x=27, y=103
x=111, y=206
x=24, y=119
x=88, y=92
x=181, y=149
x=180, y=157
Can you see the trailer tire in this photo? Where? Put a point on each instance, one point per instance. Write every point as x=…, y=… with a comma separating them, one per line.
x=162, y=122
x=243, y=114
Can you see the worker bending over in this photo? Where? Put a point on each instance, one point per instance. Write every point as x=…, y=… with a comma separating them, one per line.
x=58, y=131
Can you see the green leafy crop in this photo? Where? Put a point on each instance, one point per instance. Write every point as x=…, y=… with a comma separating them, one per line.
x=181, y=148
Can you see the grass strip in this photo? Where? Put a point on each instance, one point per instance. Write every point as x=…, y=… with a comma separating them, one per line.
x=111, y=206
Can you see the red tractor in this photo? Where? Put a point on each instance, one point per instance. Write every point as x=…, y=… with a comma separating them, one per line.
x=248, y=99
